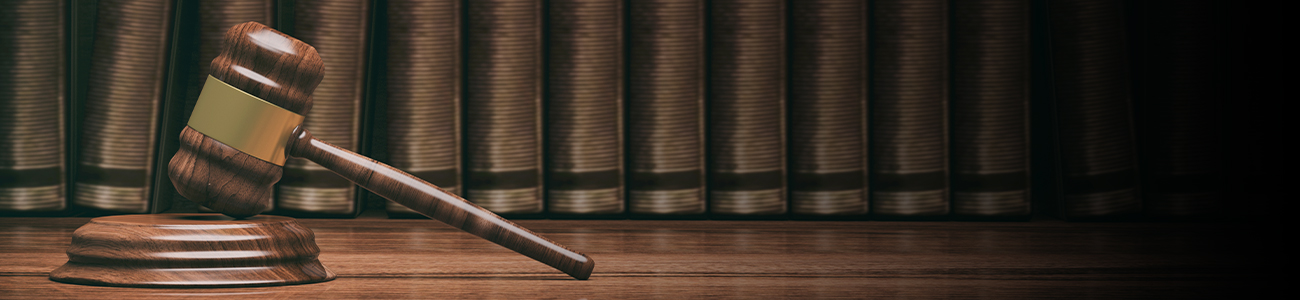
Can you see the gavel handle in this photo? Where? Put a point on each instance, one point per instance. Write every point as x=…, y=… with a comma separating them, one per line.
x=432, y=201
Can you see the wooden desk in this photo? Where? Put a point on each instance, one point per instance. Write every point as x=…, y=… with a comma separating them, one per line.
x=380, y=258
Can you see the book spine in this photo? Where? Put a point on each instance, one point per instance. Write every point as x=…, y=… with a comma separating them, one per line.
x=666, y=82
x=747, y=108
x=828, y=129
x=215, y=17
x=339, y=31
x=1093, y=110
x=909, y=101
x=424, y=92
x=126, y=86
x=33, y=104
x=1181, y=158
x=990, y=109
x=585, y=107
x=503, y=118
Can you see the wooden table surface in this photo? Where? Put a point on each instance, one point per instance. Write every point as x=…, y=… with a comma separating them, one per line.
x=380, y=258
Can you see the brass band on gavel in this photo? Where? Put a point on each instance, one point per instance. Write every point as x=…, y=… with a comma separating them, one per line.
x=909, y=98
x=33, y=102
x=1093, y=106
x=119, y=133
x=338, y=29
x=990, y=108
x=424, y=92
x=747, y=108
x=585, y=116
x=828, y=107
x=503, y=119
x=666, y=107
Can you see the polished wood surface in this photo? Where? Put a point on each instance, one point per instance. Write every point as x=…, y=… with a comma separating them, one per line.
x=379, y=258
x=436, y=203
x=192, y=250
x=272, y=66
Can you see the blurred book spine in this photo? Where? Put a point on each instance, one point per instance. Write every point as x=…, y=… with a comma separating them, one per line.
x=119, y=135
x=1093, y=110
x=33, y=106
x=747, y=108
x=585, y=108
x=909, y=103
x=828, y=108
x=503, y=103
x=1178, y=108
x=666, y=40
x=424, y=93
x=339, y=29
x=990, y=109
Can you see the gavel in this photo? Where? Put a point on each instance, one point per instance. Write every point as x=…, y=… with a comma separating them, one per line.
x=248, y=119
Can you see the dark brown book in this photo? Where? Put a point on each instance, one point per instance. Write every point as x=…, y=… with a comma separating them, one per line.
x=33, y=106
x=990, y=109
x=424, y=92
x=828, y=107
x=1093, y=110
x=666, y=107
x=120, y=131
x=747, y=108
x=1178, y=113
x=503, y=106
x=339, y=29
x=909, y=103
x=584, y=99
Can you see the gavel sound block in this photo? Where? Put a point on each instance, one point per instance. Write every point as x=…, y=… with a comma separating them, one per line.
x=247, y=120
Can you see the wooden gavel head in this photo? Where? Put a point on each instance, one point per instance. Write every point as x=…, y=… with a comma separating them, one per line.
x=272, y=66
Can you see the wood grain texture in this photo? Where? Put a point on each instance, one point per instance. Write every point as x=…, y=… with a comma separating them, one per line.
x=270, y=65
x=380, y=258
x=192, y=250
x=436, y=203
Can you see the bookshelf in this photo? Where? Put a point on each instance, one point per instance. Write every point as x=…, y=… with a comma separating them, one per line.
x=817, y=110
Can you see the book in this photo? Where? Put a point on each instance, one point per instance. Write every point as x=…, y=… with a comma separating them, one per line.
x=909, y=102
x=828, y=108
x=503, y=106
x=339, y=30
x=1093, y=110
x=424, y=93
x=665, y=102
x=584, y=108
x=128, y=82
x=990, y=110
x=1178, y=109
x=747, y=108
x=33, y=106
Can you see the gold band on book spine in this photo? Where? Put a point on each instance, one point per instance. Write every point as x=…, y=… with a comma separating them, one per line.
x=243, y=121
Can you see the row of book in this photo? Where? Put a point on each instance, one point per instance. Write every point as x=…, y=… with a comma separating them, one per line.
x=888, y=109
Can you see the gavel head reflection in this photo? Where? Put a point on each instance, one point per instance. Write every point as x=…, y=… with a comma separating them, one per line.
x=271, y=66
